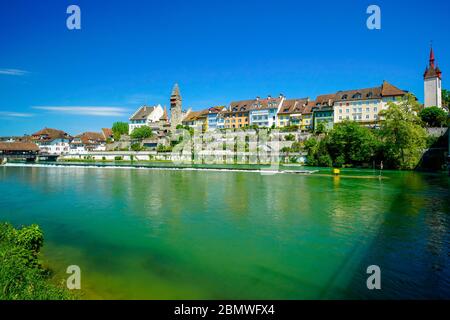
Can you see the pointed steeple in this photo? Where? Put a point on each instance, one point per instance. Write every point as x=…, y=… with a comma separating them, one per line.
x=432, y=71
x=176, y=90
x=165, y=116
x=432, y=58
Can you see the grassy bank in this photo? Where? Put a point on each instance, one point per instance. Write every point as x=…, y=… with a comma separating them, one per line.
x=22, y=276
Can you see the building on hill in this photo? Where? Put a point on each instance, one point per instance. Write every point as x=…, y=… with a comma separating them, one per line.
x=323, y=111
x=87, y=142
x=52, y=141
x=215, y=118
x=364, y=105
x=290, y=113
x=146, y=116
x=197, y=120
x=264, y=112
x=432, y=83
x=237, y=115
x=259, y=112
x=306, y=123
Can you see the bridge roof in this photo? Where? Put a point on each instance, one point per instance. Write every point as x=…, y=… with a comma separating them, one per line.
x=18, y=146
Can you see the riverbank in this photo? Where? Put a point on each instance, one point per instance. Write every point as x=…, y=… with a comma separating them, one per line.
x=291, y=169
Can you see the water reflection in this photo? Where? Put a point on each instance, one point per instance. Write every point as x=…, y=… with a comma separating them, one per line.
x=187, y=234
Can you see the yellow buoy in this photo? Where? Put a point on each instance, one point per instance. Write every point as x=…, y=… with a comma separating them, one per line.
x=336, y=171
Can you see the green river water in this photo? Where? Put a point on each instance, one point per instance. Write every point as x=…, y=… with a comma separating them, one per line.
x=175, y=234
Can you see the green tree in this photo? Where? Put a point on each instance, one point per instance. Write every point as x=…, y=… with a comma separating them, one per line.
x=446, y=98
x=320, y=128
x=350, y=143
x=403, y=137
x=433, y=116
x=318, y=154
x=143, y=132
x=118, y=129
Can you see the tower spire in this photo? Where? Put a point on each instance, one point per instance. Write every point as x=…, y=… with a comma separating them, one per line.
x=432, y=83
x=432, y=57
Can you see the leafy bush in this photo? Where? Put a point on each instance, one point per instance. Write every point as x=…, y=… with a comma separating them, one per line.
x=21, y=275
x=289, y=137
x=163, y=148
x=143, y=132
x=433, y=116
x=118, y=129
x=137, y=147
x=291, y=128
x=118, y=158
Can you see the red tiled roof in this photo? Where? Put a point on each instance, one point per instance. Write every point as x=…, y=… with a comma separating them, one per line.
x=254, y=104
x=389, y=90
x=293, y=106
x=107, y=133
x=91, y=137
x=18, y=146
x=192, y=116
x=49, y=134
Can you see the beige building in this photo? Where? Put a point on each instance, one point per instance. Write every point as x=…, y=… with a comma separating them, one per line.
x=364, y=105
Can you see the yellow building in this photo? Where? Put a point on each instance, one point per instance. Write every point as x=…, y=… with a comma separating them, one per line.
x=237, y=116
x=306, y=123
x=197, y=119
x=290, y=113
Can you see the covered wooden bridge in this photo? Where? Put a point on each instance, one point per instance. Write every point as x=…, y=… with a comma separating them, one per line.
x=18, y=150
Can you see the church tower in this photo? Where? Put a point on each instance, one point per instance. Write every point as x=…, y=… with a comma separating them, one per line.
x=176, y=113
x=433, y=83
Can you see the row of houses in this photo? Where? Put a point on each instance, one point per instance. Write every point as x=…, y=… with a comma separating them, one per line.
x=57, y=142
x=360, y=105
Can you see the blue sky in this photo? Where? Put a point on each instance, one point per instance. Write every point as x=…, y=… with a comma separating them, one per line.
x=132, y=52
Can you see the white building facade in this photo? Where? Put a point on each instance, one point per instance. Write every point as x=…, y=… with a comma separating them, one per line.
x=364, y=105
x=145, y=116
x=264, y=112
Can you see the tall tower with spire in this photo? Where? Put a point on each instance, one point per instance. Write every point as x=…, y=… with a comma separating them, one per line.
x=433, y=83
x=176, y=113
